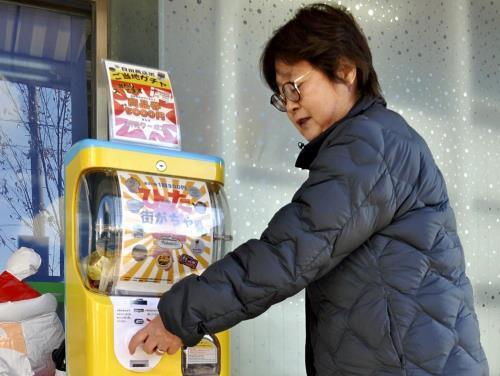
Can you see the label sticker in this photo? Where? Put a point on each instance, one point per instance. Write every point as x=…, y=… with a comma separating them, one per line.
x=129, y=316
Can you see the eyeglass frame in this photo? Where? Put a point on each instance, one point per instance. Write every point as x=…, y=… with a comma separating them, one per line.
x=282, y=98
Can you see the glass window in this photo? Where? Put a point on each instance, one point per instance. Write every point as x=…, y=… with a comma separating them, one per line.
x=43, y=111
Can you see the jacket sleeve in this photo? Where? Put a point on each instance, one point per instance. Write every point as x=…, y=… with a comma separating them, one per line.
x=348, y=196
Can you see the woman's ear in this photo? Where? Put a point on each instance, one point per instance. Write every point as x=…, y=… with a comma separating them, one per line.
x=347, y=71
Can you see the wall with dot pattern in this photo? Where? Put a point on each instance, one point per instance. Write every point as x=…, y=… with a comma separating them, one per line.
x=438, y=64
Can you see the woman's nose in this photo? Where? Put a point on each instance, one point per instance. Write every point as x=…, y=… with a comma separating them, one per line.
x=292, y=106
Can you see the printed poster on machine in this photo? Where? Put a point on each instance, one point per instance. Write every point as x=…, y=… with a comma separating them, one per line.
x=167, y=231
x=142, y=106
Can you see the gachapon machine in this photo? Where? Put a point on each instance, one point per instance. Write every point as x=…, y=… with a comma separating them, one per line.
x=138, y=219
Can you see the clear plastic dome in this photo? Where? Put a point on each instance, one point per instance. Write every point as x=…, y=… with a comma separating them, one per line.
x=138, y=234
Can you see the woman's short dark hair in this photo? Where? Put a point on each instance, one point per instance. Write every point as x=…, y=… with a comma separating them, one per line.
x=321, y=34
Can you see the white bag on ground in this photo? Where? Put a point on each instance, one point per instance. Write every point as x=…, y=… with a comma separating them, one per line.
x=42, y=332
x=13, y=357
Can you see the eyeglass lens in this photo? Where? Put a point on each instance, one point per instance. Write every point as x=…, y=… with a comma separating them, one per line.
x=290, y=92
x=278, y=103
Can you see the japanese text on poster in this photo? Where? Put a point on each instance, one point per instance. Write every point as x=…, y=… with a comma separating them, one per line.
x=167, y=231
x=142, y=105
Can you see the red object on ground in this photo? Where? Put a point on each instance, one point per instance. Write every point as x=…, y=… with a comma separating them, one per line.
x=12, y=289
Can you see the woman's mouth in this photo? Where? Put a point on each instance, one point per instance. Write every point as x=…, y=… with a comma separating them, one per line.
x=302, y=121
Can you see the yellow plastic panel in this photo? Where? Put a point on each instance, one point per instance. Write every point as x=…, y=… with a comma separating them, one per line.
x=89, y=316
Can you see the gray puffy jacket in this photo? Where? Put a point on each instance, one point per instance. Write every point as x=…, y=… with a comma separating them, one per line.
x=372, y=237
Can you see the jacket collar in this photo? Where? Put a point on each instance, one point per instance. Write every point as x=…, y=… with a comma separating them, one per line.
x=309, y=151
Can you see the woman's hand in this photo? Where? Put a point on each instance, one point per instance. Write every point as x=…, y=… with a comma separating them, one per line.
x=154, y=337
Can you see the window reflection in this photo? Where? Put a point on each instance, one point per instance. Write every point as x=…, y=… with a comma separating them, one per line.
x=43, y=110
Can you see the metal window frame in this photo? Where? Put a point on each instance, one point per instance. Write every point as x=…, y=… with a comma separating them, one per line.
x=99, y=122
x=71, y=7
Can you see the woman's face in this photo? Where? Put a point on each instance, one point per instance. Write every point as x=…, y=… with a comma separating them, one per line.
x=322, y=102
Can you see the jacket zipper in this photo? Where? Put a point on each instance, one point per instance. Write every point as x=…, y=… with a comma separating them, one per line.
x=396, y=339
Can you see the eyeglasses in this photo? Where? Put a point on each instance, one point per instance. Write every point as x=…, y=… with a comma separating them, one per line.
x=290, y=92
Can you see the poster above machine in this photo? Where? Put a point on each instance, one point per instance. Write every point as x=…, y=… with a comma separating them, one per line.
x=142, y=106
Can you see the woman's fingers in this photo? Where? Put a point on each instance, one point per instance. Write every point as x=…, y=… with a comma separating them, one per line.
x=151, y=345
x=136, y=340
x=174, y=345
x=155, y=337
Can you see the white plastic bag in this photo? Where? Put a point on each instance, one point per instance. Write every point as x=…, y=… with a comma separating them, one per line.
x=13, y=357
x=41, y=333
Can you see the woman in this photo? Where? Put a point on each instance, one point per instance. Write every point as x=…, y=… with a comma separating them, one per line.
x=370, y=234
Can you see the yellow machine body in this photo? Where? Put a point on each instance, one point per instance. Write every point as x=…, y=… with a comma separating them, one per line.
x=89, y=315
